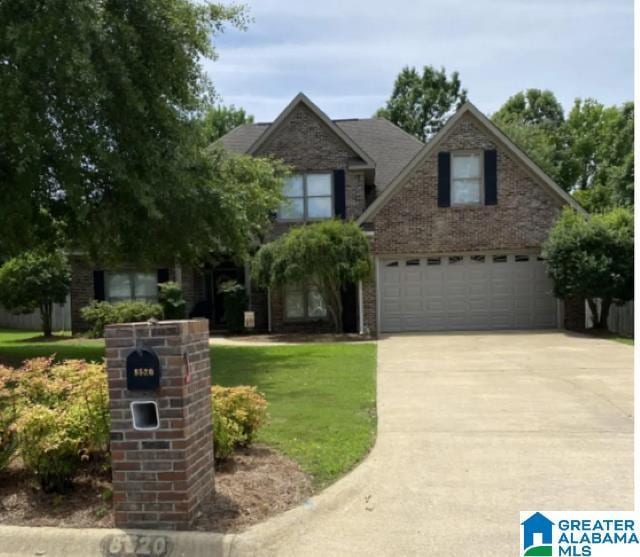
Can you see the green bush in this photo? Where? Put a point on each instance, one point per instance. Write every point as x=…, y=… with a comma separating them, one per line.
x=235, y=304
x=49, y=446
x=238, y=413
x=100, y=314
x=172, y=300
x=8, y=415
x=59, y=414
x=226, y=435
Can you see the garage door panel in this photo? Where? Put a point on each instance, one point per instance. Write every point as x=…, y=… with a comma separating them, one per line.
x=466, y=292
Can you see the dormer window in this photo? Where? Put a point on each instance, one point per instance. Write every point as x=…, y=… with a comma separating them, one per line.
x=466, y=178
x=307, y=197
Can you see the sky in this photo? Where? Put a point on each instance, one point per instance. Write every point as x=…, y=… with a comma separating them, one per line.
x=345, y=54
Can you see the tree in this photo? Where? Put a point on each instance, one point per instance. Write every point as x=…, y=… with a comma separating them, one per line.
x=421, y=104
x=35, y=280
x=590, y=153
x=534, y=120
x=331, y=254
x=601, y=146
x=103, y=149
x=220, y=120
x=591, y=257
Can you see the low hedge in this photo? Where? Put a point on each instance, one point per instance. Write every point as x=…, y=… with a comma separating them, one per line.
x=100, y=314
x=55, y=416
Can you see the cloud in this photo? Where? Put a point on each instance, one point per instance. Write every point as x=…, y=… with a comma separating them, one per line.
x=347, y=54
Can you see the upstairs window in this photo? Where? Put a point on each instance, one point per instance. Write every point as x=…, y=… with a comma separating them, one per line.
x=307, y=197
x=121, y=287
x=466, y=178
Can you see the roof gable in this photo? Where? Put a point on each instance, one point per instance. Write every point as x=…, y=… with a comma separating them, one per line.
x=299, y=99
x=431, y=146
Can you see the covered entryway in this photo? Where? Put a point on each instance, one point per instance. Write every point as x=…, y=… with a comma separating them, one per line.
x=466, y=292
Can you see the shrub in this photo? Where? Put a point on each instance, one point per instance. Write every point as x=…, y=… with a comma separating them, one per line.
x=235, y=303
x=172, y=301
x=100, y=314
x=8, y=414
x=226, y=435
x=238, y=412
x=49, y=446
x=62, y=414
x=591, y=257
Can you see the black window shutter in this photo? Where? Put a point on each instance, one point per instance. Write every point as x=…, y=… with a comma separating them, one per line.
x=444, y=179
x=163, y=275
x=490, y=177
x=339, y=195
x=98, y=285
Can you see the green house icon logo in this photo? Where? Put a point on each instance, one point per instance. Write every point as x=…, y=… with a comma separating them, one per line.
x=538, y=536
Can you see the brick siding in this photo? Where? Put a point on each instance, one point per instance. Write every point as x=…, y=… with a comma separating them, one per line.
x=412, y=223
x=307, y=144
x=161, y=477
x=82, y=287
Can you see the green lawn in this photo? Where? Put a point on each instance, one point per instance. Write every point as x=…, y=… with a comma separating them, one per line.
x=16, y=346
x=321, y=400
x=321, y=396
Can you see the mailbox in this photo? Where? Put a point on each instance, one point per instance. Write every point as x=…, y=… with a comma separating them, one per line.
x=143, y=370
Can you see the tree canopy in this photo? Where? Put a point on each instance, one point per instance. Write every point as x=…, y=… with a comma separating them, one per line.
x=331, y=253
x=35, y=280
x=103, y=147
x=219, y=120
x=591, y=257
x=589, y=153
x=421, y=103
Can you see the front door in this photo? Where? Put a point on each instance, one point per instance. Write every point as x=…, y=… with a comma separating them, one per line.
x=221, y=274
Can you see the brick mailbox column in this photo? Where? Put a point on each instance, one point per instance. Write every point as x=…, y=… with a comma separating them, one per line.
x=163, y=464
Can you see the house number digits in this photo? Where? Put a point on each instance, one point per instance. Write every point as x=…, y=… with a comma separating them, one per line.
x=124, y=545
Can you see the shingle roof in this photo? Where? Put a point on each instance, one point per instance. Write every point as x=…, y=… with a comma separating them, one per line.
x=390, y=147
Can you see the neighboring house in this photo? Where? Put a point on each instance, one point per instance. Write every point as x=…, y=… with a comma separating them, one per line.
x=455, y=228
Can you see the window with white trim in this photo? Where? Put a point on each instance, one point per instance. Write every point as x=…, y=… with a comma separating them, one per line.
x=303, y=301
x=125, y=286
x=466, y=178
x=307, y=197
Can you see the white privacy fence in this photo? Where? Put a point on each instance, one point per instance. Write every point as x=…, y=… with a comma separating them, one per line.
x=620, y=318
x=61, y=319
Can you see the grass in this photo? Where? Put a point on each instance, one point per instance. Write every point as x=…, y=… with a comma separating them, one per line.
x=321, y=400
x=321, y=396
x=16, y=346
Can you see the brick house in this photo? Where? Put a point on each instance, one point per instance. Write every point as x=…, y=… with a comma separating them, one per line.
x=455, y=227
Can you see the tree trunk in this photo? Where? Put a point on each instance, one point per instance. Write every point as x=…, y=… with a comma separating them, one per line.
x=600, y=316
x=45, y=314
x=603, y=319
x=334, y=305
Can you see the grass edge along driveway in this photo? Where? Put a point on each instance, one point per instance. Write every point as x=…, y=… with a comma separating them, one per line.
x=321, y=395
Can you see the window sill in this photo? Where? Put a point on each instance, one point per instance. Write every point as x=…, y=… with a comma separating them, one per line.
x=473, y=206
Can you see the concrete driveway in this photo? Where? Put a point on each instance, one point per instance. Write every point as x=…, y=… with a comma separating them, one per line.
x=473, y=428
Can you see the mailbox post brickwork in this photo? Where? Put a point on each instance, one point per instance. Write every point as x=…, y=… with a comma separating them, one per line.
x=163, y=472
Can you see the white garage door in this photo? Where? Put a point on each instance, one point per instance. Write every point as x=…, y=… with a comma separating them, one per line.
x=465, y=293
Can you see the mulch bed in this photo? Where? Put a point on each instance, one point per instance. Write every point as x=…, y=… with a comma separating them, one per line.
x=254, y=484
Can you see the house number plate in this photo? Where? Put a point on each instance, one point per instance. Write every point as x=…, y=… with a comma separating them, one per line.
x=129, y=545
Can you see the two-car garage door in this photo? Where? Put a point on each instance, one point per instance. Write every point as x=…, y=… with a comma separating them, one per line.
x=465, y=292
